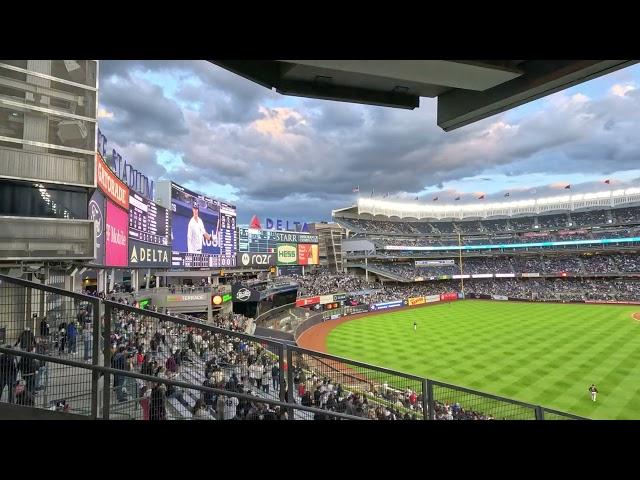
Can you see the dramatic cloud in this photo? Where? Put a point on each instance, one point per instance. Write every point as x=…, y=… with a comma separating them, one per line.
x=205, y=127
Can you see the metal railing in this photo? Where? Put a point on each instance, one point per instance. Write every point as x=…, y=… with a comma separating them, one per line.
x=130, y=363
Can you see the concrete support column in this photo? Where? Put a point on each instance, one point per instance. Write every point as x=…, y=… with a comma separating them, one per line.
x=112, y=280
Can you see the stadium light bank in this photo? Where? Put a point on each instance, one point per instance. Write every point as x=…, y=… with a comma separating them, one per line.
x=567, y=202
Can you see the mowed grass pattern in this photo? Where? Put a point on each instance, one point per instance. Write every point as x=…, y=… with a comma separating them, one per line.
x=545, y=354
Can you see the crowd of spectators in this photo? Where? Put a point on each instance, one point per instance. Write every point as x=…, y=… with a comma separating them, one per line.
x=554, y=222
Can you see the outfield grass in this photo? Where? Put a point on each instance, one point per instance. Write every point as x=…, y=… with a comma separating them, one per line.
x=546, y=354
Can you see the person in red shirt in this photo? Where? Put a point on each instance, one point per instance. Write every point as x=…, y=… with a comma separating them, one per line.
x=413, y=398
x=144, y=402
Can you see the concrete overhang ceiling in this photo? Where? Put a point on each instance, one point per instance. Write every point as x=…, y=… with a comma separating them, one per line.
x=467, y=90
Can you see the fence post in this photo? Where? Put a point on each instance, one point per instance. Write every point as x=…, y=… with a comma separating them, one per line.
x=290, y=387
x=431, y=401
x=106, y=381
x=539, y=413
x=425, y=399
x=95, y=358
x=281, y=380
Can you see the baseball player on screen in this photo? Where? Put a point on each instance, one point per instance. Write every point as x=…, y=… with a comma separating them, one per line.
x=196, y=232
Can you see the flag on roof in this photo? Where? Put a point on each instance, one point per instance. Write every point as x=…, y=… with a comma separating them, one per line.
x=507, y=194
x=481, y=197
x=357, y=189
x=607, y=181
x=567, y=187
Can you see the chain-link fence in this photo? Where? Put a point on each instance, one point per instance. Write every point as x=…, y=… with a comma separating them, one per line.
x=341, y=385
x=456, y=403
x=549, y=414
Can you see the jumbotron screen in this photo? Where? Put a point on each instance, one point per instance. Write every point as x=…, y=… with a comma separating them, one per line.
x=203, y=230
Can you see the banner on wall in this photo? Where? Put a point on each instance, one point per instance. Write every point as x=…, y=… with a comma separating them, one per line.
x=499, y=297
x=98, y=214
x=116, y=236
x=111, y=185
x=447, y=297
x=432, y=298
x=305, y=302
x=386, y=305
x=416, y=301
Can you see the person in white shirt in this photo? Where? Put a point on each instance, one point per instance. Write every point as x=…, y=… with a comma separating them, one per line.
x=229, y=408
x=255, y=374
x=196, y=232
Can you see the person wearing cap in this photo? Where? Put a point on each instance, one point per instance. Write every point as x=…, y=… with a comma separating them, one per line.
x=196, y=232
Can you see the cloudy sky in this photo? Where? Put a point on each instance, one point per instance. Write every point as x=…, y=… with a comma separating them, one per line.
x=297, y=159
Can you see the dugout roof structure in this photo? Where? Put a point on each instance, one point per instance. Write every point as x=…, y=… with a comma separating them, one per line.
x=467, y=90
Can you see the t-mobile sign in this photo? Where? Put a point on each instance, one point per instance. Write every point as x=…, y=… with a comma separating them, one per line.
x=117, y=232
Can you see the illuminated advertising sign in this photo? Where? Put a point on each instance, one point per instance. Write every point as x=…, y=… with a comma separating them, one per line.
x=227, y=297
x=416, y=301
x=516, y=245
x=433, y=263
x=111, y=185
x=278, y=224
x=244, y=294
x=308, y=254
x=264, y=241
x=339, y=297
x=387, y=305
x=116, y=236
x=97, y=213
x=505, y=275
x=256, y=259
x=305, y=302
x=324, y=299
x=447, y=297
x=432, y=298
x=203, y=230
x=287, y=254
x=530, y=275
x=482, y=275
x=198, y=297
x=143, y=254
x=499, y=297
x=216, y=300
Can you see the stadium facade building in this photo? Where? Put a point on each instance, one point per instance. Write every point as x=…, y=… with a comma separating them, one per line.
x=330, y=244
x=48, y=114
x=585, y=235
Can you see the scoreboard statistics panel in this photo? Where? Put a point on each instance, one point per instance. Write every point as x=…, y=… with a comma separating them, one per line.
x=256, y=241
x=148, y=222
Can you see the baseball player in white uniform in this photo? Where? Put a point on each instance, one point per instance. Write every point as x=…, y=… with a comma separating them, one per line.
x=196, y=233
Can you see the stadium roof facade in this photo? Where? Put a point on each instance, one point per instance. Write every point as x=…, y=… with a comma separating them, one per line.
x=467, y=90
x=563, y=203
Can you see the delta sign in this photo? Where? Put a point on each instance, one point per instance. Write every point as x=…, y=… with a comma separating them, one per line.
x=278, y=224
